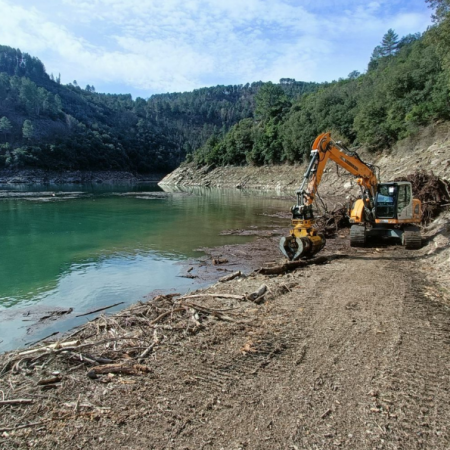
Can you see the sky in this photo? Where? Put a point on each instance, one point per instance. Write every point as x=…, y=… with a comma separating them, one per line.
x=144, y=47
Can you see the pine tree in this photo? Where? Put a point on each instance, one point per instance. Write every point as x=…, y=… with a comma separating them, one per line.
x=389, y=43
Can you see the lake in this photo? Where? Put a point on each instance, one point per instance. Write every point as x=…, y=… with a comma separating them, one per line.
x=89, y=247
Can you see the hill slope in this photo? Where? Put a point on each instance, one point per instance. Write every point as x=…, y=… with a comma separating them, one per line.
x=48, y=125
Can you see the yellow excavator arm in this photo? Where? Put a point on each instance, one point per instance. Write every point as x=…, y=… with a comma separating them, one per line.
x=323, y=150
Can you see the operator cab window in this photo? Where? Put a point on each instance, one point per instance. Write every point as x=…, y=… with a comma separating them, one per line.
x=404, y=197
x=386, y=201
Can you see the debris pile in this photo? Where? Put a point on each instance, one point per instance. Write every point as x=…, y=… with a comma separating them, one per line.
x=330, y=222
x=121, y=343
x=432, y=191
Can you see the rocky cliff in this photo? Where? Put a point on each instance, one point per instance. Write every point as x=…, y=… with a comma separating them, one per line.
x=427, y=150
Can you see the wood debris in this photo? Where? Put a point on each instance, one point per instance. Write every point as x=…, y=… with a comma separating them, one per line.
x=330, y=222
x=230, y=277
x=432, y=191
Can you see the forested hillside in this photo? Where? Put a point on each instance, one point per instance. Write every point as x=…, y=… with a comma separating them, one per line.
x=48, y=125
x=406, y=86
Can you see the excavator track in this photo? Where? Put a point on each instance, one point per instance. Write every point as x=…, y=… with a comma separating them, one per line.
x=357, y=236
x=412, y=239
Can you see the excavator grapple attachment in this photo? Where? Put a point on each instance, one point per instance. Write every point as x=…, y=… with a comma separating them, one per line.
x=302, y=247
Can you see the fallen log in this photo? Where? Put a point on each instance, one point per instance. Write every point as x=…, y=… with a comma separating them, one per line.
x=292, y=265
x=230, y=277
x=237, y=297
x=56, y=346
x=123, y=369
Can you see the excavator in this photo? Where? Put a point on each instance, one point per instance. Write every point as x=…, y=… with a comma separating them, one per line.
x=383, y=209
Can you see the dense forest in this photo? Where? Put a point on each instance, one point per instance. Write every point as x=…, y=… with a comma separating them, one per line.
x=406, y=86
x=48, y=125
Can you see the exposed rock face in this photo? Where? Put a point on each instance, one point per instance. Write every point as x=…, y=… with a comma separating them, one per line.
x=428, y=150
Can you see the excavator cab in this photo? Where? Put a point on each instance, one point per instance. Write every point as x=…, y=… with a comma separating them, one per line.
x=396, y=215
x=394, y=201
x=385, y=201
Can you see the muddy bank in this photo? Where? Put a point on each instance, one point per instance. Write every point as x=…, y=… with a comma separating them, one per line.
x=74, y=177
x=428, y=150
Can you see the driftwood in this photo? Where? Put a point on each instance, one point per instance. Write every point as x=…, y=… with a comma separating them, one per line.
x=55, y=346
x=123, y=369
x=53, y=380
x=217, y=261
x=213, y=312
x=230, y=277
x=17, y=401
x=165, y=314
x=292, y=265
x=147, y=351
x=236, y=297
x=55, y=314
x=100, y=309
x=258, y=295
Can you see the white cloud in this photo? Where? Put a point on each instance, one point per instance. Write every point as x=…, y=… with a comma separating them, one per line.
x=173, y=45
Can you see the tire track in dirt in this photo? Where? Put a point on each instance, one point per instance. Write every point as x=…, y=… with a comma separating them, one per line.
x=414, y=393
x=342, y=345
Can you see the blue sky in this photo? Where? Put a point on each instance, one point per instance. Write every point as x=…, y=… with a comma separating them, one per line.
x=144, y=47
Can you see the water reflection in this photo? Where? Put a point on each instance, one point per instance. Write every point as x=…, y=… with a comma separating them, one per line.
x=111, y=246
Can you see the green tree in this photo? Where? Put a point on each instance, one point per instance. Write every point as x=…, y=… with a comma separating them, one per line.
x=439, y=35
x=5, y=126
x=389, y=43
x=354, y=74
x=376, y=55
x=441, y=9
x=270, y=101
x=27, y=130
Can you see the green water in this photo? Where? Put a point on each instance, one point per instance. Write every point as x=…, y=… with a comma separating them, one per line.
x=105, y=246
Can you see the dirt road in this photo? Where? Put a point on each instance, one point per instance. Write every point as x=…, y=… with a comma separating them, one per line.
x=352, y=354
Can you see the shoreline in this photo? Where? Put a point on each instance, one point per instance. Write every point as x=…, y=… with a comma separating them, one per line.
x=44, y=177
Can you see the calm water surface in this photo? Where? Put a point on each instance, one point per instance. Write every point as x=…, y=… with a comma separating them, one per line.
x=107, y=245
